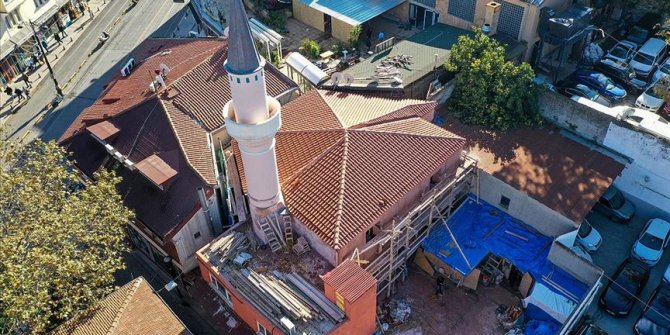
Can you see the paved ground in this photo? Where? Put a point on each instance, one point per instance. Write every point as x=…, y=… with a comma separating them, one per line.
x=147, y=18
x=617, y=242
x=457, y=312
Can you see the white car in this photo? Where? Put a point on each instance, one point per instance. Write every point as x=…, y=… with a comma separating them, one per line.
x=588, y=237
x=648, y=100
x=652, y=241
x=623, y=51
x=663, y=71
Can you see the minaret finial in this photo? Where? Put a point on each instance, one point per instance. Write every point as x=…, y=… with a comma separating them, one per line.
x=242, y=55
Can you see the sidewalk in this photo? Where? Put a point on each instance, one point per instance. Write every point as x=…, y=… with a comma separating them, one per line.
x=54, y=55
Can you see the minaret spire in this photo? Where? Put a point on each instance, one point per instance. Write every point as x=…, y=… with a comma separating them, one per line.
x=252, y=117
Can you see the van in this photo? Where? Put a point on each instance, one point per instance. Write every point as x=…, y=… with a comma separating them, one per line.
x=648, y=57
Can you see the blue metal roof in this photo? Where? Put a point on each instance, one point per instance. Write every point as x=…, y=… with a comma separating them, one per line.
x=352, y=11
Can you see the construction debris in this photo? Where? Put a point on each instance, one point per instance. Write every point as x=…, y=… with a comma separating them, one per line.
x=399, y=310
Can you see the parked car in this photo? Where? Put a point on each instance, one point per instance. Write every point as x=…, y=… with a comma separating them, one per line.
x=649, y=100
x=613, y=205
x=581, y=252
x=621, y=291
x=588, y=237
x=637, y=35
x=652, y=241
x=601, y=83
x=623, y=51
x=621, y=73
x=646, y=26
x=648, y=57
x=666, y=274
x=655, y=318
x=663, y=71
x=581, y=90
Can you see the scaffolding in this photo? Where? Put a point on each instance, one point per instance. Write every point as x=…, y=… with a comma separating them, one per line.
x=396, y=245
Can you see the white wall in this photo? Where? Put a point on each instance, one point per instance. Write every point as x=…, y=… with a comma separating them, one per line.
x=646, y=180
x=523, y=207
x=185, y=242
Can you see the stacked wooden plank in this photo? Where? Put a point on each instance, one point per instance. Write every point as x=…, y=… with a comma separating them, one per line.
x=227, y=247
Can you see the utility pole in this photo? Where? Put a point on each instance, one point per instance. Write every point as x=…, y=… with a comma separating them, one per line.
x=46, y=60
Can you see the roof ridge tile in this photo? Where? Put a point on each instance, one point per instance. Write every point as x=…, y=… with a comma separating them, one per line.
x=332, y=110
x=340, y=197
x=134, y=285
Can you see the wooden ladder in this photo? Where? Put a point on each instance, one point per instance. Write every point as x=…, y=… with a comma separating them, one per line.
x=270, y=235
x=288, y=229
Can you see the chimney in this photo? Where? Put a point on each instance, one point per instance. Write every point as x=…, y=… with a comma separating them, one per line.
x=491, y=17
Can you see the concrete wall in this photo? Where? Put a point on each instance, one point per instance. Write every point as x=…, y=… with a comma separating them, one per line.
x=187, y=244
x=578, y=118
x=341, y=30
x=573, y=264
x=523, y=207
x=646, y=180
x=308, y=15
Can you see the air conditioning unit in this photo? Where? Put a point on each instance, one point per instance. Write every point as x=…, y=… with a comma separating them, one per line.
x=126, y=69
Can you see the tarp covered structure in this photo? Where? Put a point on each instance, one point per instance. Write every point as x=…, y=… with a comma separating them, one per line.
x=481, y=229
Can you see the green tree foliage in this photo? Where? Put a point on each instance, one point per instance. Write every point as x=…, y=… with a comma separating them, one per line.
x=354, y=36
x=490, y=91
x=60, y=243
x=662, y=88
x=310, y=48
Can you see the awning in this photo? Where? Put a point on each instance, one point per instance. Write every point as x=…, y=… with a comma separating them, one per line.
x=269, y=37
x=353, y=12
x=306, y=68
x=156, y=170
x=103, y=130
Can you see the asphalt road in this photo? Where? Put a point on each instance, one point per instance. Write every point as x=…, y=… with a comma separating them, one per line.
x=127, y=30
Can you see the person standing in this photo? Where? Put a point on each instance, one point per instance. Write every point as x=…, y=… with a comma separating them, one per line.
x=82, y=8
x=18, y=93
x=57, y=38
x=26, y=79
x=439, y=288
x=10, y=92
x=61, y=29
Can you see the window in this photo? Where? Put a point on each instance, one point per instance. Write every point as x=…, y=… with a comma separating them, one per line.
x=504, y=202
x=510, y=20
x=261, y=329
x=463, y=9
x=221, y=290
x=369, y=235
x=196, y=235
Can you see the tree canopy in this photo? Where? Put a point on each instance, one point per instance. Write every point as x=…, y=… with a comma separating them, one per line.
x=489, y=90
x=60, y=242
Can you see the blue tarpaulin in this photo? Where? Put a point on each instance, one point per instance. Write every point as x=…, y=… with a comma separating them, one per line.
x=482, y=229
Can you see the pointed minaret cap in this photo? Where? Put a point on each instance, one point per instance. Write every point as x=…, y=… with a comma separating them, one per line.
x=242, y=55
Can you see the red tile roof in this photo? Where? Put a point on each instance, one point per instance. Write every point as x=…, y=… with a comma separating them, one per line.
x=564, y=175
x=340, y=181
x=350, y=280
x=103, y=130
x=134, y=308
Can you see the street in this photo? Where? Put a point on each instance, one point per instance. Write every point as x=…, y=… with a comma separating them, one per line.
x=87, y=75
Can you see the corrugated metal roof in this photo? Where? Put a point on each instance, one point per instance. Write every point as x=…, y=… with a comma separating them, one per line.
x=353, y=12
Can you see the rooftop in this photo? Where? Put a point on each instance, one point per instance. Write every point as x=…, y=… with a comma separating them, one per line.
x=427, y=50
x=345, y=159
x=353, y=12
x=278, y=285
x=560, y=173
x=349, y=280
x=135, y=308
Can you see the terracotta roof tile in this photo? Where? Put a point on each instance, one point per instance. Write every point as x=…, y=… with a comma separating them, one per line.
x=103, y=130
x=132, y=309
x=356, y=109
x=560, y=173
x=350, y=280
x=339, y=181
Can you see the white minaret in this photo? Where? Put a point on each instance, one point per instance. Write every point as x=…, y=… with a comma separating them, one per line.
x=252, y=117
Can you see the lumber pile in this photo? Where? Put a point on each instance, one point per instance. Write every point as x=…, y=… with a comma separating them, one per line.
x=227, y=247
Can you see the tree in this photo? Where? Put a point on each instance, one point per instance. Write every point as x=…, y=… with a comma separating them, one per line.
x=310, y=48
x=354, y=36
x=662, y=88
x=60, y=242
x=489, y=90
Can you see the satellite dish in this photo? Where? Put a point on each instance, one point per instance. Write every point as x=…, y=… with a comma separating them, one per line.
x=164, y=69
x=336, y=77
x=160, y=80
x=225, y=33
x=348, y=78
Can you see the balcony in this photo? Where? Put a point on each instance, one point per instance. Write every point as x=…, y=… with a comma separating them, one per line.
x=7, y=6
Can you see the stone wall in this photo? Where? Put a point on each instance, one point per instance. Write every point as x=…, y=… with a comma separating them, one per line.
x=575, y=117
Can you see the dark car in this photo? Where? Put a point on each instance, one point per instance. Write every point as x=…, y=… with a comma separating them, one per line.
x=601, y=83
x=655, y=319
x=627, y=282
x=621, y=73
x=615, y=206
